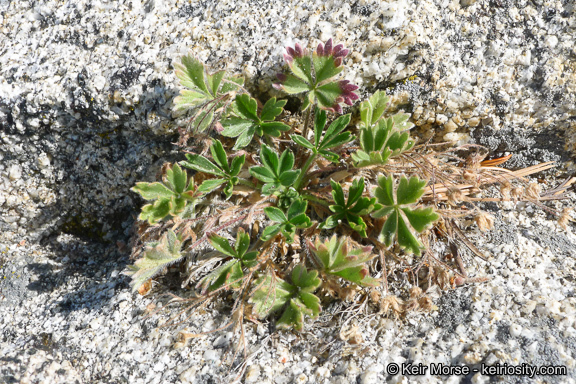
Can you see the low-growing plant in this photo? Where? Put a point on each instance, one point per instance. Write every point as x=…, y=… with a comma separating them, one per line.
x=359, y=203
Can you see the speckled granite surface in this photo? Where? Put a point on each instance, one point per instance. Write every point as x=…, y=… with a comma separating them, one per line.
x=85, y=111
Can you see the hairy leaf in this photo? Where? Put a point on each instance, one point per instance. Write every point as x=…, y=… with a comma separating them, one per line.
x=276, y=172
x=173, y=197
x=205, y=91
x=226, y=172
x=402, y=218
x=270, y=295
x=247, y=123
x=230, y=273
x=352, y=209
x=334, y=257
x=157, y=256
x=315, y=76
x=287, y=224
x=381, y=138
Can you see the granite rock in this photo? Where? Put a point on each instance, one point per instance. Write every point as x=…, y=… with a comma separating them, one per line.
x=86, y=90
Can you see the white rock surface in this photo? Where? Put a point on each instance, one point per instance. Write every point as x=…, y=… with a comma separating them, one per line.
x=86, y=91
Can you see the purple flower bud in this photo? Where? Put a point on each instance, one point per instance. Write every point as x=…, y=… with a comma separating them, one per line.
x=342, y=53
x=346, y=87
x=282, y=77
x=288, y=59
x=328, y=47
x=338, y=52
x=299, y=51
x=348, y=94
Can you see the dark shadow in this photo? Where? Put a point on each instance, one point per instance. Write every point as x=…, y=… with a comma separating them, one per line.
x=93, y=269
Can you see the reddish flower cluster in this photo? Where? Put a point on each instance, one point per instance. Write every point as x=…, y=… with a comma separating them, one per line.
x=295, y=52
x=347, y=97
x=338, y=51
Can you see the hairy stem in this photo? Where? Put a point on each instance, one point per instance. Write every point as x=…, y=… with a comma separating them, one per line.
x=305, y=130
x=304, y=171
x=315, y=199
x=246, y=183
x=307, y=122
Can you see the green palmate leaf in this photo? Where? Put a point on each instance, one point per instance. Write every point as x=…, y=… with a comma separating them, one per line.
x=302, y=141
x=236, y=126
x=315, y=75
x=236, y=166
x=157, y=256
x=402, y=218
x=221, y=245
x=242, y=243
x=270, y=295
x=219, y=156
x=410, y=191
x=301, y=67
x=293, y=85
x=272, y=109
x=190, y=99
x=306, y=281
x=273, y=128
x=201, y=164
x=205, y=91
x=263, y=174
x=287, y=224
x=334, y=129
x=247, y=123
x=325, y=67
x=227, y=172
x=326, y=95
x=293, y=316
x=286, y=162
x=191, y=74
x=288, y=178
x=210, y=185
x=153, y=191
x=338, y=140
x=230, y=273
x=334, y=137
x=276, y=173
x=155, y=212
x=246, y=107
x=334, y=257
x=372, y=109
x=350, y=210
x=270, y=159
x=401, y=121
x=173, y=197
x=271, y=231
x=176, y=178
x=214, y=81
x=381, y=138
x=275, y=214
